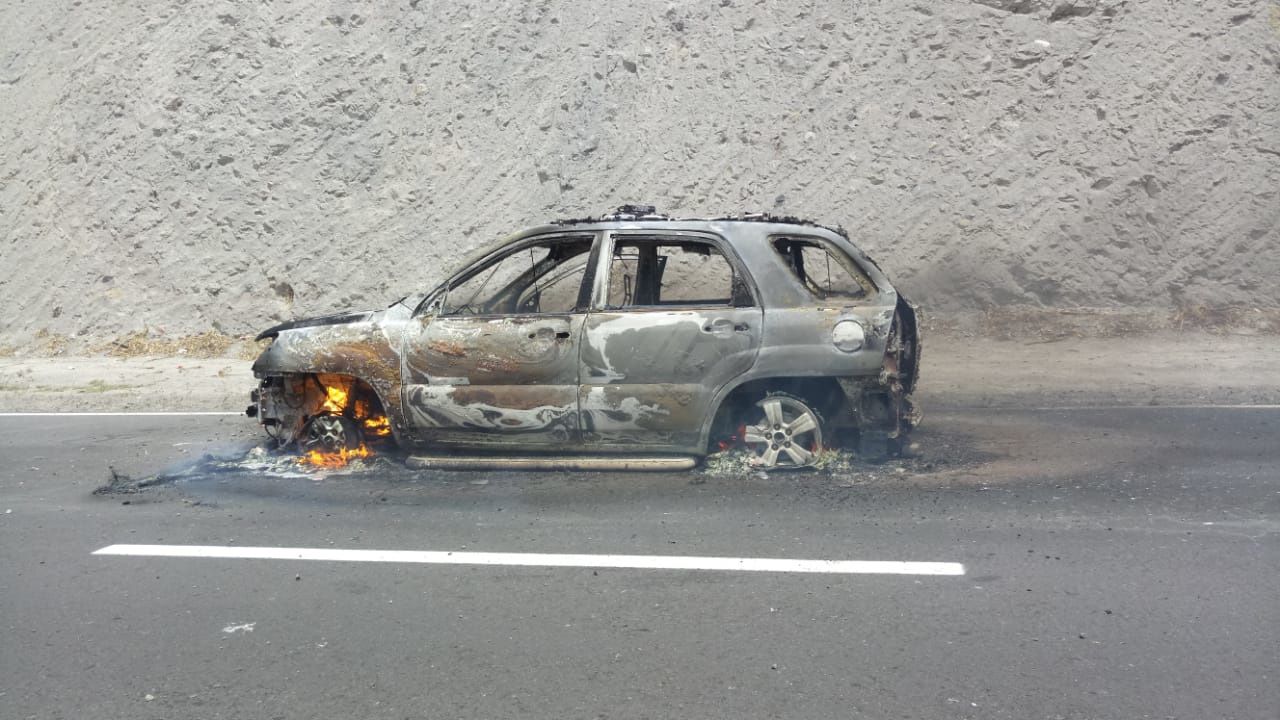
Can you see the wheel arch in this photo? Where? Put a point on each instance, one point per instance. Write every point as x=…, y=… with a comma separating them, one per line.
x=304, y=392
x=365, y=351
x=820, y=391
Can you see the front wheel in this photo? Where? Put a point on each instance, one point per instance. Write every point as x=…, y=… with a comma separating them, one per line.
x=328, y=433
x=787, y=433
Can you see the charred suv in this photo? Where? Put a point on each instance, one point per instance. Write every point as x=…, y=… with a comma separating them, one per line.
x=628, y=334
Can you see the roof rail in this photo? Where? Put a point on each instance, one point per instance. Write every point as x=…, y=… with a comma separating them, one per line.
x=648, y=212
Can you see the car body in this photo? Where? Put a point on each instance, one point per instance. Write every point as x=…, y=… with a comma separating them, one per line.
x=623, y=334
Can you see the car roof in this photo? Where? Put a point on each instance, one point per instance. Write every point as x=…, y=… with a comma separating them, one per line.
x=632, y=217
x=643, y=218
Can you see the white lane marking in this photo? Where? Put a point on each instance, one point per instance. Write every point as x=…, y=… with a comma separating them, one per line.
x=1146, y=407
x=635, y=562
x=118, y=414
x=943, y=409
x=247, y=627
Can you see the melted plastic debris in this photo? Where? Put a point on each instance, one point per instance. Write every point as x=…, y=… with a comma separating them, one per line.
x=739, y=463
x=842, y=466
x=281, y=464
x=730, y=463
x=270, y=463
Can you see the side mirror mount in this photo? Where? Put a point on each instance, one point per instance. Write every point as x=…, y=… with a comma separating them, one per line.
x=431, y=306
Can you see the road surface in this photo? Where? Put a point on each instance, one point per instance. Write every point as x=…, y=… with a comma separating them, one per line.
x=1113, y=563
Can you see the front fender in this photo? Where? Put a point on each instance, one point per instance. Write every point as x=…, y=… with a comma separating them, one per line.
x=368, y=351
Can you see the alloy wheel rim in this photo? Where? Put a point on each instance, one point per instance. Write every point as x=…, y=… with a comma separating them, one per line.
x=326, y=432
x=789, y=435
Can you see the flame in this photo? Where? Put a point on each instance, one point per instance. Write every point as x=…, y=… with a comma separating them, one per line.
x=378, y=426
x=336, y=400
x=333, y=460
x=734, y=440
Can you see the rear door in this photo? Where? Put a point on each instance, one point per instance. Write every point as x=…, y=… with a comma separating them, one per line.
x=495, y=362
x=673, y=320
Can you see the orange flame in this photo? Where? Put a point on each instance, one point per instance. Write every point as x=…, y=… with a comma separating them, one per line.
x=734, y=440
x=335, y=400
x=337, y=392
x=333, y=460
x=378, y=426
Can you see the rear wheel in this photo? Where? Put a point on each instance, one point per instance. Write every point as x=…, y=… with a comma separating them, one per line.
x=329, y=433
x=787, y=433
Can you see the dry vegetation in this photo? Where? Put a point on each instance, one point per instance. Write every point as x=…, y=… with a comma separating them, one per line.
x=50, y=344
x=208, y=344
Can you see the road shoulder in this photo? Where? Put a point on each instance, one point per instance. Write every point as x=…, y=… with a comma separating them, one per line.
x=1191, y=368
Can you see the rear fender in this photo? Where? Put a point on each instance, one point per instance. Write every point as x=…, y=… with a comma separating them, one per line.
x=908, y=333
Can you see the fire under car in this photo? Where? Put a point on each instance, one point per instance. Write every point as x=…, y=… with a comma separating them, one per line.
x=627, y=340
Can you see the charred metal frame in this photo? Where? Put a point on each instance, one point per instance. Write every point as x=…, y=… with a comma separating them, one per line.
x=591, y=380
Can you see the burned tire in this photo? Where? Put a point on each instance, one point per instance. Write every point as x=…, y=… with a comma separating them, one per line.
x=328, y=433
x=784, y=432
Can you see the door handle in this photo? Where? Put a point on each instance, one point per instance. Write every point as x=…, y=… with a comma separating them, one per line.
x=718, y=326
x=724, y=325
x=546, y=333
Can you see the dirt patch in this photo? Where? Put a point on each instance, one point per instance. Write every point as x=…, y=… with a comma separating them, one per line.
x=1041, y=324
x=124, y=384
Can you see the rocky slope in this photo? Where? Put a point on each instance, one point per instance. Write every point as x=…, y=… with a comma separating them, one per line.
x=188, y=166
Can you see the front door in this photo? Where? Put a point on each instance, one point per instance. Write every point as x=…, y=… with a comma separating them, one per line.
x=495, y=362
x=677, y=322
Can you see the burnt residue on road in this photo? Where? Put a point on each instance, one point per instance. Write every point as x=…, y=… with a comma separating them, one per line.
x=118, y=483
x=938, y=458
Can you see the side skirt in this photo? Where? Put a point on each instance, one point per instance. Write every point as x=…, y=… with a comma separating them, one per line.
x=551, y=462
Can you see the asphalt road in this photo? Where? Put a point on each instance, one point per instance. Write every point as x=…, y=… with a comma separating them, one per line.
x=1119, y=563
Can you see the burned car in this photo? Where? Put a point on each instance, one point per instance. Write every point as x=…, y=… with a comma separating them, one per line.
x=615, y=339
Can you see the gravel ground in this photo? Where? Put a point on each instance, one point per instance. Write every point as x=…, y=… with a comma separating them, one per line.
x=216, y=166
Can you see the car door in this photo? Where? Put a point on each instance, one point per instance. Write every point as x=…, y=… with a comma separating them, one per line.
x=493, y=361
x=674, y=319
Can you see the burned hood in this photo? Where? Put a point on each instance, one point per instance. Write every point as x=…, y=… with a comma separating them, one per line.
x=338, y=319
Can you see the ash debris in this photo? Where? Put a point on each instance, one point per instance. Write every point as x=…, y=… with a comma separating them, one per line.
x=935, y=455
x=846, y=469
x=118, y=483
x=258, y=460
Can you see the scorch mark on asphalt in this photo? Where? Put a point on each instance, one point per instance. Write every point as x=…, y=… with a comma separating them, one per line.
x=631, y=562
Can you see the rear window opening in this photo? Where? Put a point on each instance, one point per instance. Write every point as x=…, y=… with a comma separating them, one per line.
x=826, y=273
